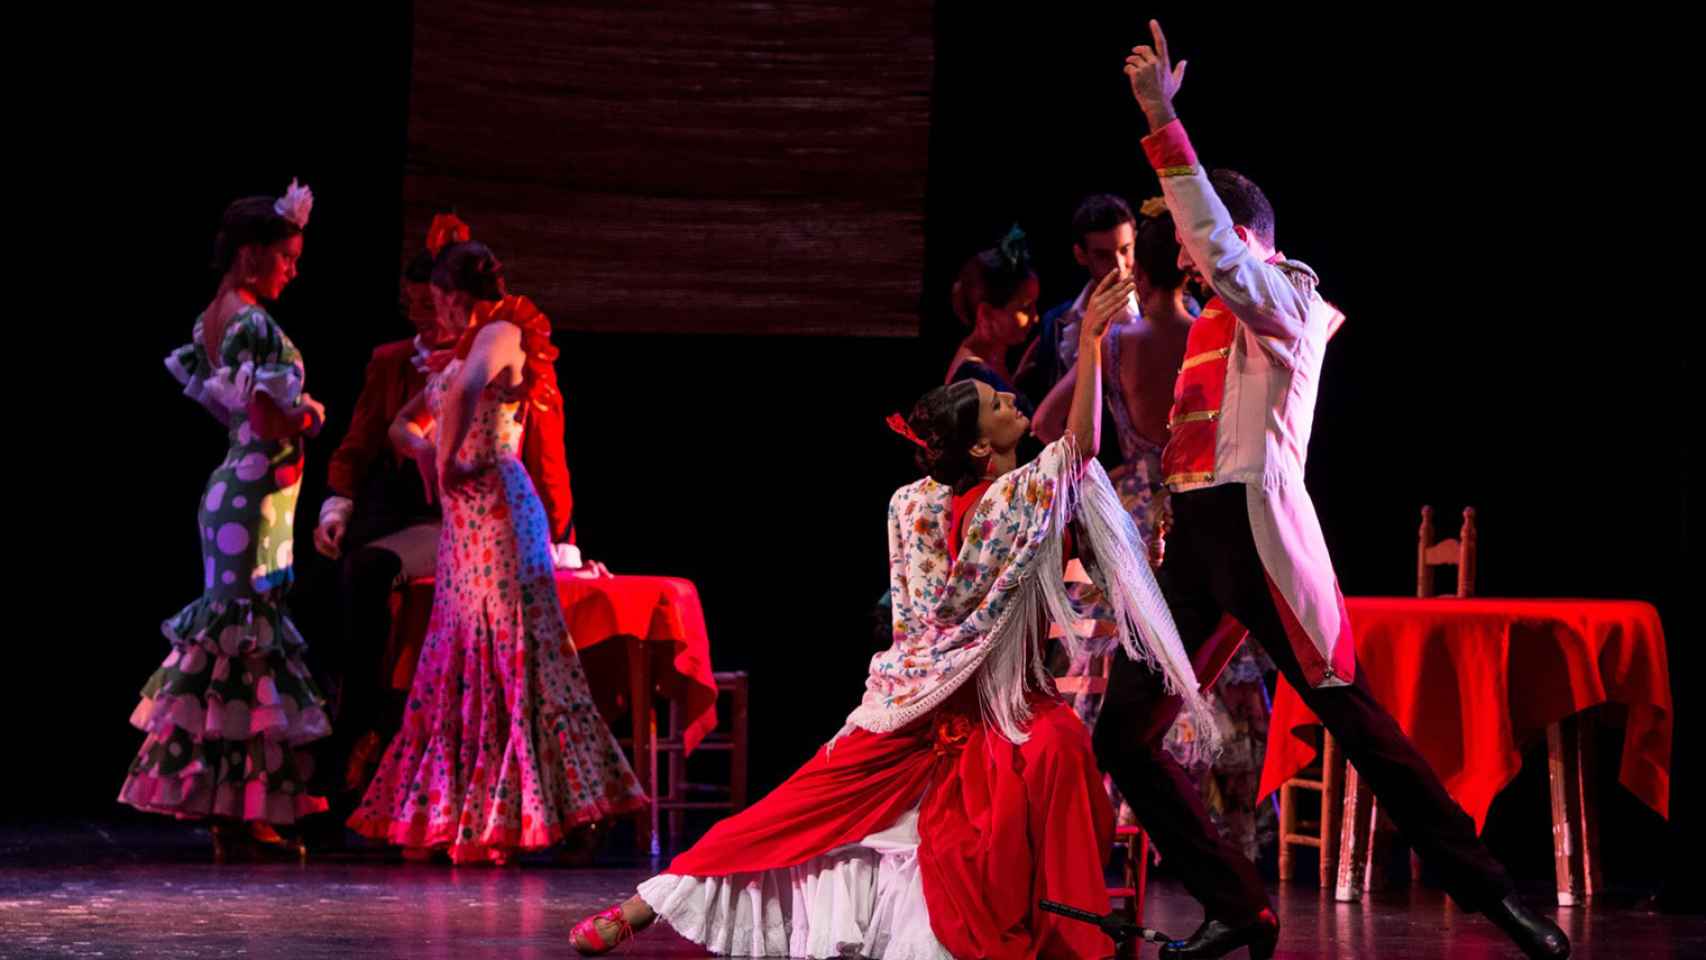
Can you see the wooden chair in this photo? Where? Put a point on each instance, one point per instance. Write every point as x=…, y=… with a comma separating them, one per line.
x=731, y=739
x=1134, y=882
x=1458, y=552
x=1324, y=779
x=1131, y=837
x=1569, y=761
x=1361, y=823
x=1212, y=657
x=1344, y=830
x=1349, y=815
x=648, y=749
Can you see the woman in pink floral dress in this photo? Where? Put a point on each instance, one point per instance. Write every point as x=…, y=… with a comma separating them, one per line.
x=502, y=749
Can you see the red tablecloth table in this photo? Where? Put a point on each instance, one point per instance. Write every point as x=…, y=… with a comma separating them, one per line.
x=661, y=647
x=1471, y=680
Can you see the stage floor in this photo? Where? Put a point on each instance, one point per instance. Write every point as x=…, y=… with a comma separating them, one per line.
x=91, y=890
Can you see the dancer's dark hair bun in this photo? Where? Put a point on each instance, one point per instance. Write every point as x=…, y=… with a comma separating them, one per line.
x=945, y=420
x=250, y=221
x=470, y=268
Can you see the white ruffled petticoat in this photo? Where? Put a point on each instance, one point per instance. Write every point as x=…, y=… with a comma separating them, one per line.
x=861, y=900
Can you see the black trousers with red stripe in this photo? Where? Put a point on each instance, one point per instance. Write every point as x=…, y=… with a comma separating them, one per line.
x=1212, y=569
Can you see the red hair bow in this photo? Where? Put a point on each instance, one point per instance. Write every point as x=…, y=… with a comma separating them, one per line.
x=446, y=229
x=898, y=424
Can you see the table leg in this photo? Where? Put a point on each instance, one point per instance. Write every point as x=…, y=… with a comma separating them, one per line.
x=738, y=729
x=1356, y=839
x=645, y=740
x=1575, y=821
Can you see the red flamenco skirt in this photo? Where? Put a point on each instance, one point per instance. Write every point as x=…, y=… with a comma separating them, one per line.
x=1000, y=826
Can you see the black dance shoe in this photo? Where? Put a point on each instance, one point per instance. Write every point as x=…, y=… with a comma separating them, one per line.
x=1538, y=937
x=1217, y=939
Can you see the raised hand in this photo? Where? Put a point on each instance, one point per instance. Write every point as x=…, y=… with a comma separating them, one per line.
x=1154, y=79
x=1106, y=302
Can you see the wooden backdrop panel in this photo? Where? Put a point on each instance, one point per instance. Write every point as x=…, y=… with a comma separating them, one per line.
x=670, y=167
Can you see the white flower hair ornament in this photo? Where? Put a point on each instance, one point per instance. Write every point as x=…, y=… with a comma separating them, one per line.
x=295, y=204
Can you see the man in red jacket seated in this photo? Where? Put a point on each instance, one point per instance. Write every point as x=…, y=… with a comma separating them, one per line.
x=381, y=528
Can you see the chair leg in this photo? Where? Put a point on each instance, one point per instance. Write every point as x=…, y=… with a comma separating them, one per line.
x=1575, y=822
x=677, y=778
x=1137, y=873
x=1332, y=808
x=738, y=723
x=1287, y=827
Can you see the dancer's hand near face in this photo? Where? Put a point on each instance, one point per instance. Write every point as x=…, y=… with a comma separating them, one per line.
x=1107, y=301
x=1084, y=419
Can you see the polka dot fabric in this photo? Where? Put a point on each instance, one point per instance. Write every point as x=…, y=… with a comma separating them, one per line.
x=229, y=711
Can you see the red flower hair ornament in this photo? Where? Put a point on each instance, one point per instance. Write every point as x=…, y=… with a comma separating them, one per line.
x=446, y=229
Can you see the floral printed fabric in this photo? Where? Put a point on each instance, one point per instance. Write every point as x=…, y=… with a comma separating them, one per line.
x=501, y=749
x=946, y=610
x=988, y=607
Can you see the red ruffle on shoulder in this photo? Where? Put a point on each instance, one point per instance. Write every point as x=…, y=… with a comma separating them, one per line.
x=539, y=375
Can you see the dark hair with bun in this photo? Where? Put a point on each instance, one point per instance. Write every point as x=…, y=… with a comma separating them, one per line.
x=1156, y=252
x=469, y=268
x=945, y=419
x=996, y=276
x=250, y=221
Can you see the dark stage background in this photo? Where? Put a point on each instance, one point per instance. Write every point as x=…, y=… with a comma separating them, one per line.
x=1447, y=181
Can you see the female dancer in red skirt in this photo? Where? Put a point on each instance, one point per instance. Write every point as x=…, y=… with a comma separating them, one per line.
x=961, y=791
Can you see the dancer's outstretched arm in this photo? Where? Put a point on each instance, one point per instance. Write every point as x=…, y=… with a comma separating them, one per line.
x=1084, y=420
x=1259, y=294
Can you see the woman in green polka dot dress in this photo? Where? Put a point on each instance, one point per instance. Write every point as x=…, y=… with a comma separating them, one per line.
x=228, y=712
